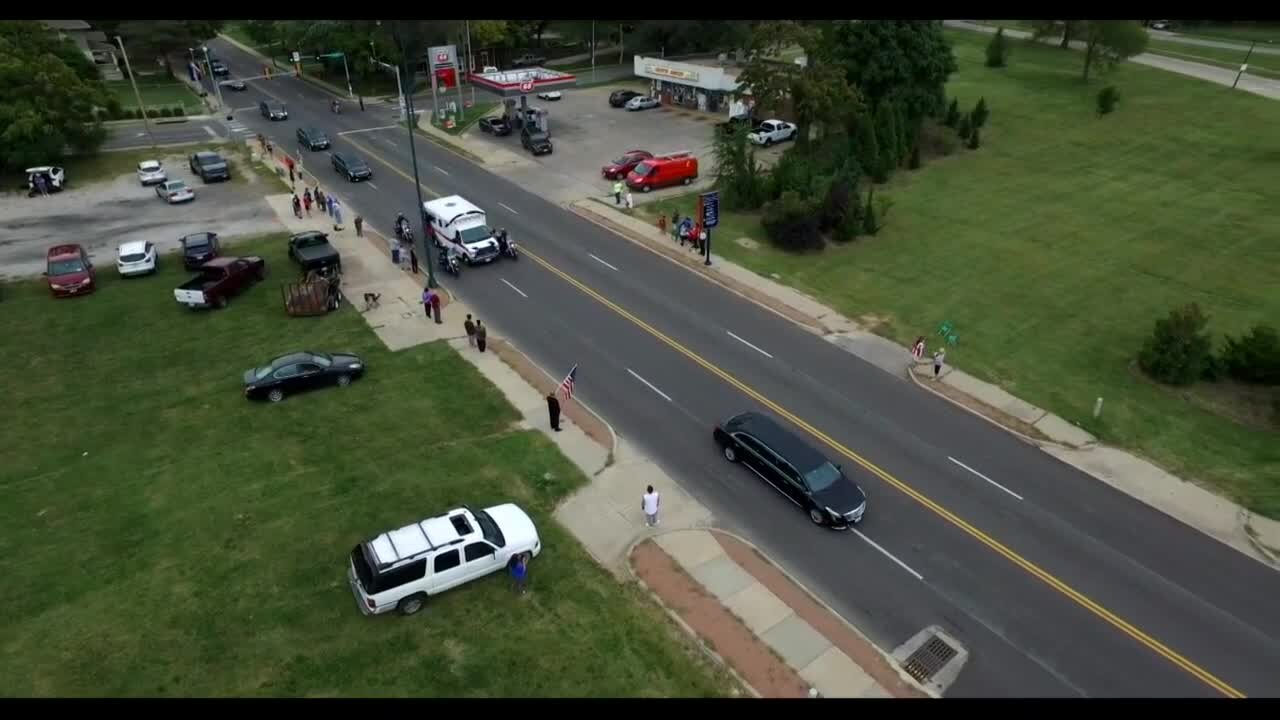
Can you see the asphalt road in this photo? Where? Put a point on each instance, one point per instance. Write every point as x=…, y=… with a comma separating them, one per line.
x=1061, y=586
x=1243, y=47
x=134, y=135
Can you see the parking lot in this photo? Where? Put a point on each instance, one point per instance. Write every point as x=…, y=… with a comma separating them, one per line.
x=587, y=133
x=105, y=214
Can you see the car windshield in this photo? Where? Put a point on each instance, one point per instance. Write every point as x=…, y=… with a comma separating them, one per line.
x=822, y=477
x=262, y=372
x=537, y=137
x=133, y=257
x=643, y=169
x=309, y=240
x=624, y=160
x=490, y=529
x=197, y=245
x=209, y=159
x=322, y=360
x=65, y=267
x=474, y=234
x=176, y=186
x=149, y=166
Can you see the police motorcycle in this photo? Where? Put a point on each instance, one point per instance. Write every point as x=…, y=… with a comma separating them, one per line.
x=507, y=246
x=450, y=262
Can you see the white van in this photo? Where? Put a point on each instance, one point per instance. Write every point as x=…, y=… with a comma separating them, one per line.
x=400, y=569
x=454, y=222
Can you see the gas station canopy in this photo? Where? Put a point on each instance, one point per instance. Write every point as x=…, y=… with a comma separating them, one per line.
x=514, y=83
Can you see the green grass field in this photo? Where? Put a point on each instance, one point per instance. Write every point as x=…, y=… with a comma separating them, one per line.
x=1268, y=32
x=1056, y=245
x=164, y=536
x=168, y=93
x=1267, y=66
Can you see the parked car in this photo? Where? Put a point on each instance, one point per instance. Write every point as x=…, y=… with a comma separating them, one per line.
x=497, y=126
x=313, y=139
x=219, y=68
x=297, y=372
x=549, y=95
x=198, y=249
x=528, y=60
x=772, y=131
x=535, y=141
x=236, y=85
x=662, y=171
x=737, y=122
x=219, y=280
x=641, y=102
x=399, y=569
x=626, y=163
x=351, y=166
x=273, y=110
x=151, y=172
x=209, y=166
x=793, y=467
x=312, y=251
x=174, y=191
x=136, y=258
x=69, y=271
x=489, y=69
x=619, y=98
x=55, y=178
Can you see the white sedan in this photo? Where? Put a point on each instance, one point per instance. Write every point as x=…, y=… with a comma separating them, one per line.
x=151, y=172
x=549, y=95
x=136, y=258
x=641, y=102
x=174, y=191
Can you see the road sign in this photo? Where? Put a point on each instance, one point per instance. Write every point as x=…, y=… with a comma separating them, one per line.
x=526, y=86
x=710, y=202
x=296, y=57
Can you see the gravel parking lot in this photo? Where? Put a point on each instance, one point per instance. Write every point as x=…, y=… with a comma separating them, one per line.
x=103, y=215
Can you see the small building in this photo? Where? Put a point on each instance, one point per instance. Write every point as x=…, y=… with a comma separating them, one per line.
x=707, y=86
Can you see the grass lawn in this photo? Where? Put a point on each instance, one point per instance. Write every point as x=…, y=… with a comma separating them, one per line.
x=1240, y=32
x=468, y=116
x=164, y=536
x=1057, y=245
x=1264, y=65
x=86, y=169
x=168, y=93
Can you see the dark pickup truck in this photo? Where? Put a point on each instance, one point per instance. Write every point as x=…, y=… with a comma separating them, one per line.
x=219, y=279
x=312, y=251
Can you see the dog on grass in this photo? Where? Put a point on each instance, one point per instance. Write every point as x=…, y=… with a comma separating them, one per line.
x=371, y=300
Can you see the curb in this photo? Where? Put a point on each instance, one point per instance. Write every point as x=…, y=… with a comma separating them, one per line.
x=1257, y=544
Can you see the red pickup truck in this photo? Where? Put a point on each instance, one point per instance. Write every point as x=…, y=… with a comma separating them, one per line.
x=219, y=279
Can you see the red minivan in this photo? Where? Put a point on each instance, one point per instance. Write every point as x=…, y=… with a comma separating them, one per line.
x=664, y=170
x=70, y=272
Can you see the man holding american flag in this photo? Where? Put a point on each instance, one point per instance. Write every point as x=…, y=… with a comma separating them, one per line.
x=553, y=403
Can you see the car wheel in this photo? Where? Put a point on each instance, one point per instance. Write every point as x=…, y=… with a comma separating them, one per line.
x=687, y=180
x=645, y=188
x=730, y=454
x=351, y=177
x=276, y=395
x=412, y=604
x=768, y=141
x=344, y=380
x=817, y=517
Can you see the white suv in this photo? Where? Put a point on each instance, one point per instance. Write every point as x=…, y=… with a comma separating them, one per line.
x=399, y=569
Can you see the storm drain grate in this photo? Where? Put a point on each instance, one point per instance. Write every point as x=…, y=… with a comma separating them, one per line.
x=928, y=659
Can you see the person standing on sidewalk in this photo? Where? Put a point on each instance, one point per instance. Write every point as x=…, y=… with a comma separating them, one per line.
x=630, y=202
x=617, y=192
x=649, y=503
x=435, y=305
x=306, y=200
x=413, y=259
x=337, y=214
x=470, y=326
x=481, y=335
x=428, y=295
x=359, y=223
x=938, y=358
x=361, y=103
x=553, y=408
x=328, y=204
x=297, y=206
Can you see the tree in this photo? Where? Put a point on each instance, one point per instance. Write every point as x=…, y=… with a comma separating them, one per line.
x=1179, y=350
x=1069, y=29
x=908, y=59
x=867, y=147
x=1107, y=99
x=965, y=129
x=914, y=162
x=869, y=224
x=887, y=136
x=980, y=113
x=49, y=98
x=738, y=175
x=1108, y=42
x=998, y=50
x=1254, y=357
x=906, y=131
x=148, y=39
x=791, y=223
x=953, y=114
x=975, y=140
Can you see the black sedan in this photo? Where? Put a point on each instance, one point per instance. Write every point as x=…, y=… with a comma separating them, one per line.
x=495, y=125
x=313, y=138
x=351, y=166
x=301, y=371
x=619, y=98
x=237, y=85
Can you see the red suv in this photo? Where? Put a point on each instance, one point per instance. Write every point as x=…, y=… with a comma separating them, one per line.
x=70, y=272
x=619, y=168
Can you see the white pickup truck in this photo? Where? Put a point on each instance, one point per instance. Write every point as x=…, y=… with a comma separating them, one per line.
x=772, y=131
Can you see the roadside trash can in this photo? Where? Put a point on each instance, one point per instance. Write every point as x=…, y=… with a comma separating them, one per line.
x=395, y=255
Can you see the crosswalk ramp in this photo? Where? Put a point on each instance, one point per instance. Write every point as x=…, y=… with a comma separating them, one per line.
x=238, y=129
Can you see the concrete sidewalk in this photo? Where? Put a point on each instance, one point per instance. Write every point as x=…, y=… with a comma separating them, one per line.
x=1217, y=517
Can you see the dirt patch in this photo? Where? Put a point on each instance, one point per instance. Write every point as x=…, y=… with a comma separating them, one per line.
x=881, y=325
x=593, y=426
x=925, y=376
x=859, y=649
x=747, y=243
x=718, y=628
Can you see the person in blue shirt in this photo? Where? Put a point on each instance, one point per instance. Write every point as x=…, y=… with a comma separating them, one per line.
x=520, y=574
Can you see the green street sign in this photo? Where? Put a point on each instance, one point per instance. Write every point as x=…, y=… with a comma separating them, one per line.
x=330, y=55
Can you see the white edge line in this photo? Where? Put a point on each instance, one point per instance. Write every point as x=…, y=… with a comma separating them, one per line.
x=209, y=130
x=365, y=130
x=375, y=187
x=440, y=170
x=593, y=257
x=649, y=384
x=888, y=554
x=744, y=342
x=508, y=208
x=513, y=287
x=984, y=477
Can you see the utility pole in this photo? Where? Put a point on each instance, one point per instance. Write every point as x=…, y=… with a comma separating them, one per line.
x=350, y=93
x=212, y=80
x=1245, y=65
x=593, y=51
x=620, y=43
x=136, y=94
x=471, y=65
x=413, y=156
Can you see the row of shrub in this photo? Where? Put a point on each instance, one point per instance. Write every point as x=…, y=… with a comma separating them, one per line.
x=124, y=113
x=968, y=125
x=1180, y=351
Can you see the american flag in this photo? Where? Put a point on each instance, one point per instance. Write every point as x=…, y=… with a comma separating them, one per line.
x=566, y=385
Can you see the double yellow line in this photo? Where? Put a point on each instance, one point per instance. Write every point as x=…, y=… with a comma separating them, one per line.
x=1053, y=582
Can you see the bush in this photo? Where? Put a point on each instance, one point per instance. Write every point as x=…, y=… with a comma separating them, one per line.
x=791, y=222
x=1179, y=351
x=966, y=127
x=938, y=140
x=953, y=114
x=998, y=50
x=840, y=201
x=980, y=113
x=974, y=140
x=165, y=112
x=868, y=147
x=1253, y=358
x=133, y=114
x=914, y=162
x=179, y=111
x=887, y=137
x=869, y=225
x=1108, y=97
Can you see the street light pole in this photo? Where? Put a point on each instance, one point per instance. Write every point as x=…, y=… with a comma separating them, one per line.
x=411, y=118
x=1244, y=66
x=350, y=93
x=213, y=80
x=593, y=51
x=136, y=94
x=471, y=65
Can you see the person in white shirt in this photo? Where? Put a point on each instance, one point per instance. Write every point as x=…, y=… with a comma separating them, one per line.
x=649, y=504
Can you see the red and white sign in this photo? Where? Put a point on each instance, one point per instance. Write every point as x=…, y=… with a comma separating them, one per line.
x=442, y=57
x=526, y=86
